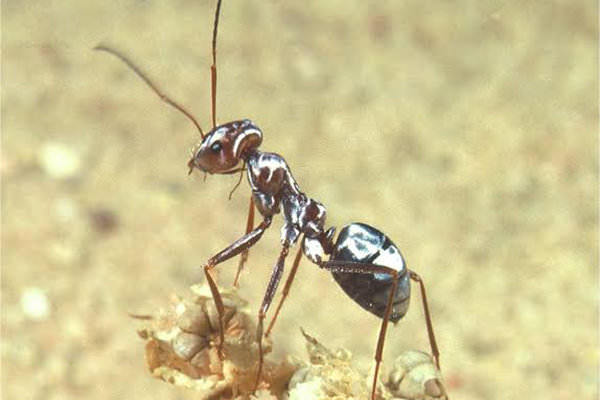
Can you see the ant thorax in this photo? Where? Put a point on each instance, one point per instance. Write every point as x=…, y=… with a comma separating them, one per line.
x=274, y=189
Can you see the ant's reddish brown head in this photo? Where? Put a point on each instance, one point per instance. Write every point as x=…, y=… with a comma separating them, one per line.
x=222, y=149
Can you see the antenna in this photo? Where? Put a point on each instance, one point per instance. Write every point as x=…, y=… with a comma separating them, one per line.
x=152, y=85
x=213, y=67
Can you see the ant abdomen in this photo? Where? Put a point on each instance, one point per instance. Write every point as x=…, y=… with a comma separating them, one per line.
x=361, y=244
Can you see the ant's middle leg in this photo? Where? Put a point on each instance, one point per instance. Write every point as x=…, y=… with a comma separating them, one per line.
x=237, y=247
x=244, y=256
x=266, y=303
x=286, y=290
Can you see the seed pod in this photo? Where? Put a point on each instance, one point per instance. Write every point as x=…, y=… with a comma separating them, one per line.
x=187, y=345
x=183, y=344
x=414, y=376
x=194, y=320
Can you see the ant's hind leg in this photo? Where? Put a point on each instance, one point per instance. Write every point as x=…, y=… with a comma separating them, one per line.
x=372, y=269
x=432, y=342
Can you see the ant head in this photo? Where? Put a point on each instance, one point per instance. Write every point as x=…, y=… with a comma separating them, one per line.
x=222, y=149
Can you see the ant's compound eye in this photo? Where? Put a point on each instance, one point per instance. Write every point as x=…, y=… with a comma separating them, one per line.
x=216, y=147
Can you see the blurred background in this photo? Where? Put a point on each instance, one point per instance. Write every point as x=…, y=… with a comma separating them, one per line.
x=466, y=131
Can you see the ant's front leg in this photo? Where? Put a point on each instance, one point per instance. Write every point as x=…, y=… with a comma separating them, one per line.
x=237, y=247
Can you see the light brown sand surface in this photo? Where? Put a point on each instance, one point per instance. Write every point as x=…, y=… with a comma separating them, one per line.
x=466, y=131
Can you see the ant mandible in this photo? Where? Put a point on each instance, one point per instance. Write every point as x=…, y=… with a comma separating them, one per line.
x=363, y=260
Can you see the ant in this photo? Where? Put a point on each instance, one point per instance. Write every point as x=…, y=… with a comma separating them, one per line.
x=364, y=261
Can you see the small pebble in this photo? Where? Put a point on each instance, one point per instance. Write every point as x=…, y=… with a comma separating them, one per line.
x=103, y=220
x=59, y=161
x=34, y=304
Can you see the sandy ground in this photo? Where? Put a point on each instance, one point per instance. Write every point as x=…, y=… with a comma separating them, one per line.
x=467, y=131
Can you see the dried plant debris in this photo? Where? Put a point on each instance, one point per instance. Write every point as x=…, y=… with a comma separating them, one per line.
x=182, y=349
x=414, y=376
x=330, y=374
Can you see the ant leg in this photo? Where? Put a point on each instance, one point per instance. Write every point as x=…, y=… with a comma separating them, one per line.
x=244, y=256
x=434, y=347
x=368, y=268
x=286, y=289
x=269, y=294
x=243, y=243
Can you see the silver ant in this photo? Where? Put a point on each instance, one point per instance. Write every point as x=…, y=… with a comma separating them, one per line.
x=364, y=261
